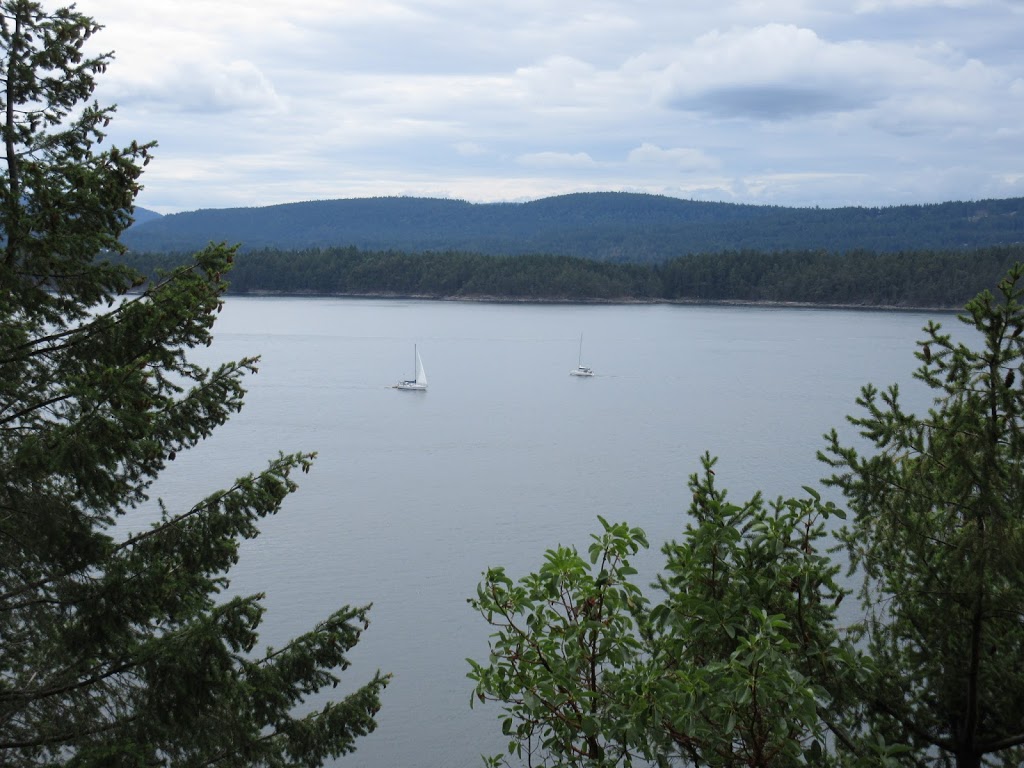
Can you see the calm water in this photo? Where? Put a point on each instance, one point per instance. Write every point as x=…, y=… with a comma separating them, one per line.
x=415, y=494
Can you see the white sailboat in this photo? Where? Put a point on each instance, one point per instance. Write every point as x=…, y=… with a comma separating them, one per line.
x=419, y=383
x=581, y=369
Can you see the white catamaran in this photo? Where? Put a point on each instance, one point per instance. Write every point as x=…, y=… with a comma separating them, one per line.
x=581, y=369
x=419, y=383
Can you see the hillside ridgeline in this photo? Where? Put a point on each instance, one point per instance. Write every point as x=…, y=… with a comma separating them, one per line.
x=602, y=226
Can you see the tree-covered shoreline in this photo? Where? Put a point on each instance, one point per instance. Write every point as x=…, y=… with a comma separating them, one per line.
x=911, y=280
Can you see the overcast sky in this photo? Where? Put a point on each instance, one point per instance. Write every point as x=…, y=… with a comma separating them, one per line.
x=788, y=102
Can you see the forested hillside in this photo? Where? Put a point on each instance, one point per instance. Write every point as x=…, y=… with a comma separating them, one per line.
x=606, y=226
x=941, y=279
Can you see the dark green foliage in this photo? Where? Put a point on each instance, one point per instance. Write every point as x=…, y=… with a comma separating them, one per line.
x=115, y=649
x=741, y=664
x=60, y=202
x=749, y=618
x=945, y=279
x=938, y=536
x=911, y=278
x=602, y=226
x=561, y=633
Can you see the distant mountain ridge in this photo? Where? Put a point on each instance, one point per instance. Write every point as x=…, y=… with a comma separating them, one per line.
x=604, y=226
x=142, y=215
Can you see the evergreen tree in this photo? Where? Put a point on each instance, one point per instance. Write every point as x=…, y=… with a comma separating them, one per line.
x=938, y=535
x=114, y=647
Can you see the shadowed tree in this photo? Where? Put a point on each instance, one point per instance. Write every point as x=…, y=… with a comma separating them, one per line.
x=938, y=535
x=116, y=649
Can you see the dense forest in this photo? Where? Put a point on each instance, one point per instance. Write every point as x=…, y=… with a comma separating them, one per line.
x=919, y=278
x=603, y=226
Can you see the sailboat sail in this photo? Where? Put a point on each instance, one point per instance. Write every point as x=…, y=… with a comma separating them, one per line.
x=421, y=375
x=420, y=381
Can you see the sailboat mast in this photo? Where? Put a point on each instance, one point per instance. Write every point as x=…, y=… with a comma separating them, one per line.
x=579, y=361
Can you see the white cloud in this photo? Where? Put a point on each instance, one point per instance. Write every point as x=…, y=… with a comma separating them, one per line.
x=557, y=160
x=206, y=86
x=878, y=6
x=678, y=158
x=790, y=101
x=783, y=72
x=556, y=79
x=776, y=71
x=470, y=149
